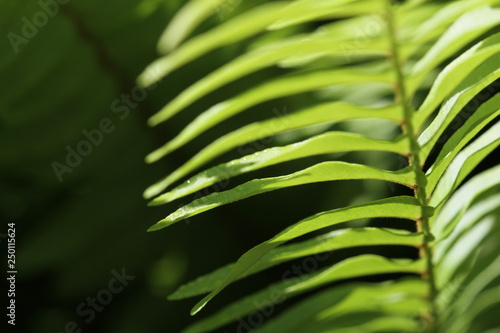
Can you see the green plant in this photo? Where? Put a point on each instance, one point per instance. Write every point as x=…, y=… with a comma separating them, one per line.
x=420, y=66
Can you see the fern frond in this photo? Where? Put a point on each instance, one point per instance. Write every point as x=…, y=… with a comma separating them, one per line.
x=417, y=65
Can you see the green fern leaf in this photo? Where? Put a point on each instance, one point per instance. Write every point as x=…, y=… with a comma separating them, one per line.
x=414, y=65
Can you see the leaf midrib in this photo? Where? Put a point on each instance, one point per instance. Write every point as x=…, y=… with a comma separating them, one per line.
x=401, y=97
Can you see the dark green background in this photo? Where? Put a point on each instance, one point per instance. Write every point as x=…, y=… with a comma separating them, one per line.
x=72, y=234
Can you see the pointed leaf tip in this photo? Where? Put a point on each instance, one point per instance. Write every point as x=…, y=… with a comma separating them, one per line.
x=153, y=203
x=150, y=192
x=161, y=152
x=159, y=225
x=161, y=200
x=152, y=228
x=153, y=121
x=200, y=305
x=152, y=157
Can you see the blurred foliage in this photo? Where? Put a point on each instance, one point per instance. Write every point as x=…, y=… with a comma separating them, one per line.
x=72, y=233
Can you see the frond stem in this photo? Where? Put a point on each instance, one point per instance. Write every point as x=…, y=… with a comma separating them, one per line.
x=413, y=159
